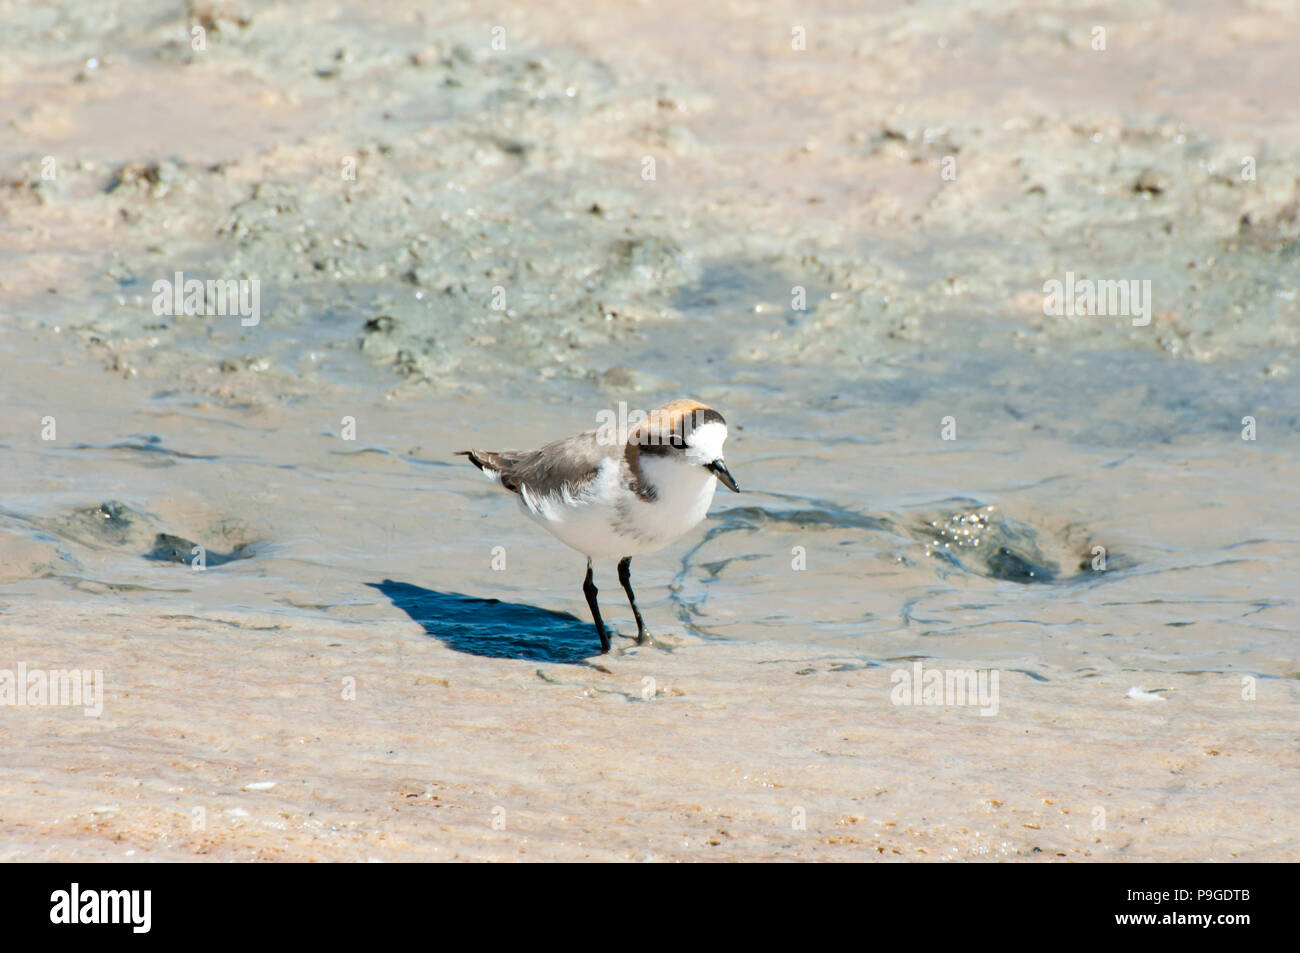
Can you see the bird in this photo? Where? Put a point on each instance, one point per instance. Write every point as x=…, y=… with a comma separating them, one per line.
x=617, y=493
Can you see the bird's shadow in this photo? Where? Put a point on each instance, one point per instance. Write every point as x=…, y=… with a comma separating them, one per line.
x=492, y=628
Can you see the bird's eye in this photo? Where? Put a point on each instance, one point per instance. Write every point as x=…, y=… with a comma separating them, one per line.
x=677, y=442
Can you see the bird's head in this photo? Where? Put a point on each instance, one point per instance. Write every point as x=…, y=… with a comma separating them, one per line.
x=689, y=433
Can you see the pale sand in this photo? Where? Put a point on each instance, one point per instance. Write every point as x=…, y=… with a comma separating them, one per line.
x=716, y=766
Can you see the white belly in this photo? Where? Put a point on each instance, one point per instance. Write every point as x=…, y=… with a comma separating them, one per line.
x=611, y=522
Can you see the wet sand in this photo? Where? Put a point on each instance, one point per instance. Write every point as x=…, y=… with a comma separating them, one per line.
x=339, y=683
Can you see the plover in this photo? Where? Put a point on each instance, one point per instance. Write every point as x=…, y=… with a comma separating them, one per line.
x=617, y=496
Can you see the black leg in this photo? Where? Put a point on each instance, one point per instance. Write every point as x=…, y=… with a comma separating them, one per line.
x=589, y=590
x=625, y=577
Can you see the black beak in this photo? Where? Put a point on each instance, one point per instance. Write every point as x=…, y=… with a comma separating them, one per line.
x=719, y=470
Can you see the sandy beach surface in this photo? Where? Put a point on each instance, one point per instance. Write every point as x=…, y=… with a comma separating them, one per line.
x=832, y=222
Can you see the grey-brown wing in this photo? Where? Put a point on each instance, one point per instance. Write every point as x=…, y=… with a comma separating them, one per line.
x=565, y=467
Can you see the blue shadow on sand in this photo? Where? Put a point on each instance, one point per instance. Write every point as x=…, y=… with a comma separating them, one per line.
x=492, y=628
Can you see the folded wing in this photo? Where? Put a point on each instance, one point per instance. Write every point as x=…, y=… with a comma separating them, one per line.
x=564, y=471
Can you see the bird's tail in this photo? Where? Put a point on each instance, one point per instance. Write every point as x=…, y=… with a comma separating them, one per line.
x=486, y=460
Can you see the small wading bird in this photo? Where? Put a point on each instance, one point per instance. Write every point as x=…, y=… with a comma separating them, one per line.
x=617, y=498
